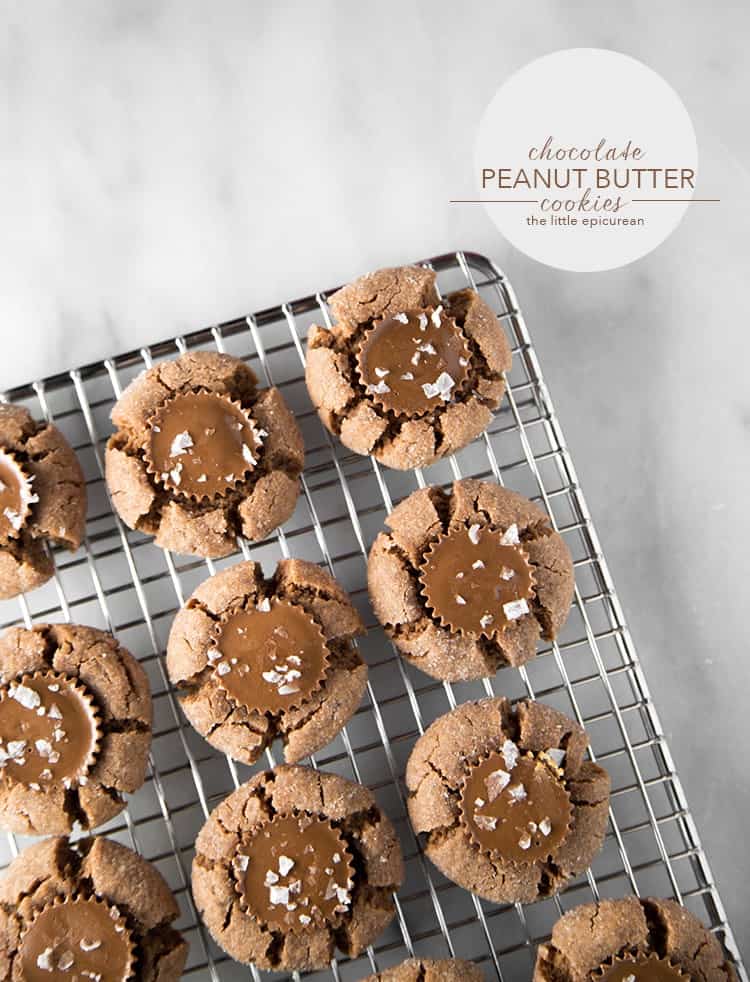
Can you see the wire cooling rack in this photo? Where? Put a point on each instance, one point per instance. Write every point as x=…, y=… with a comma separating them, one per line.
x=120, y=581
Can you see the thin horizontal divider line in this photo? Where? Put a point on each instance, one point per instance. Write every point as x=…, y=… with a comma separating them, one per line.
x=494, y=201
x=676, y=200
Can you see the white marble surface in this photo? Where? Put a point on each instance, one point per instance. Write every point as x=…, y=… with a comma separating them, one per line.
x=168, y=164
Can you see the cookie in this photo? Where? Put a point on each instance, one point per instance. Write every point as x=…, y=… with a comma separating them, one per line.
x=508, y=807
x=430, y=970
x=294, y=864
x=201, y=455
x=257, y=659
x=639, y=940
x=42, y=499
x=405, y=376
x=467, y=582
x=75, y=728
x=89, y=910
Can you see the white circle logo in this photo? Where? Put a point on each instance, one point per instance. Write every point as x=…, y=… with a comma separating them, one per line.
x=586, y=159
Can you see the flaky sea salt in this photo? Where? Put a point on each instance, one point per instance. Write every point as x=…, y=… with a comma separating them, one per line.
x=408, y=377
x=474, y=534
x=460, y=600
x=401, y=318
x=510, y=754
x=517, y=792
x=382, y=372
x=477, y=564
x=440, y=387
x=380, y=389
x=525, y=841
x=515, y=609
x=545, y=826
x=435, y=318
x=485, y=822
x=556, y=755
x=485, y=620
x=181, y=444
x=264, y=605
x=27, y=697
x=496, y=782
x=278, y=895
x=285, y=865
x=247, y=455
x=510, y=536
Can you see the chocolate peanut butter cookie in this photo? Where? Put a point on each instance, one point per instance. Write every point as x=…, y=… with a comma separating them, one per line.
x=508, y=806
x=631, y=940
x=201, y=455
x=75, y=728
x=430, y=970
x=294, y=864
x=42, y=497
x=467, y=582
x=94, y=910
x=402, y=375
x=257, y=659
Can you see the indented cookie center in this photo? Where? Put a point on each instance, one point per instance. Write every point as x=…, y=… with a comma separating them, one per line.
x=477, y=580
x=295, y=872
x=16, y=496
x=271, y=657
x=201, y=444
x=414, y=361
x=516, y=805
x=49, y=731
x=640, y=968
x=77, y=939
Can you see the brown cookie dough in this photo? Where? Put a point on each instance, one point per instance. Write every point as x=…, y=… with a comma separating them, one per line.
x=75, y=728
x=42, y=497
x=468, y=581
x=201, y=455
x=430, y=970
x=294, y=864
x=255, y=659
x=641, y=940
x=89, y=910
x=508, y=806
x=402, y=375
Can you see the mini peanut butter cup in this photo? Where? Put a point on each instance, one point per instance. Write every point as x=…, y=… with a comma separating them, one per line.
x=201, y=445
x=293, y=872
x=269, y=657
x=16, y=496
x=477, y=580
x=49, y=731
x=634, y=967
x=77, y=938
x=515, y=805
x=413, y=361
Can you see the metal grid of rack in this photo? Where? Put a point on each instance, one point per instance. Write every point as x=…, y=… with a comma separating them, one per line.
x=120, y=581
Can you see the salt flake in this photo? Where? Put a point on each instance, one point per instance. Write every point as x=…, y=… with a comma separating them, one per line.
x=181, y=444
x=515, y=609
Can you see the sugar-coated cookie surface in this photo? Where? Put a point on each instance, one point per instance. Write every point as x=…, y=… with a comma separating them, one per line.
x=508, y=806
x=75, y=728
x=257, y=659
x=401, y=374
x=638, y=939
x=293, y=865
x=42, y=498
x=200, y=455
x=468, y=581
x=89, y=910
x=430, y=970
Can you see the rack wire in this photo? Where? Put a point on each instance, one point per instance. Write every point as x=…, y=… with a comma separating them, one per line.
x=121, y=582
